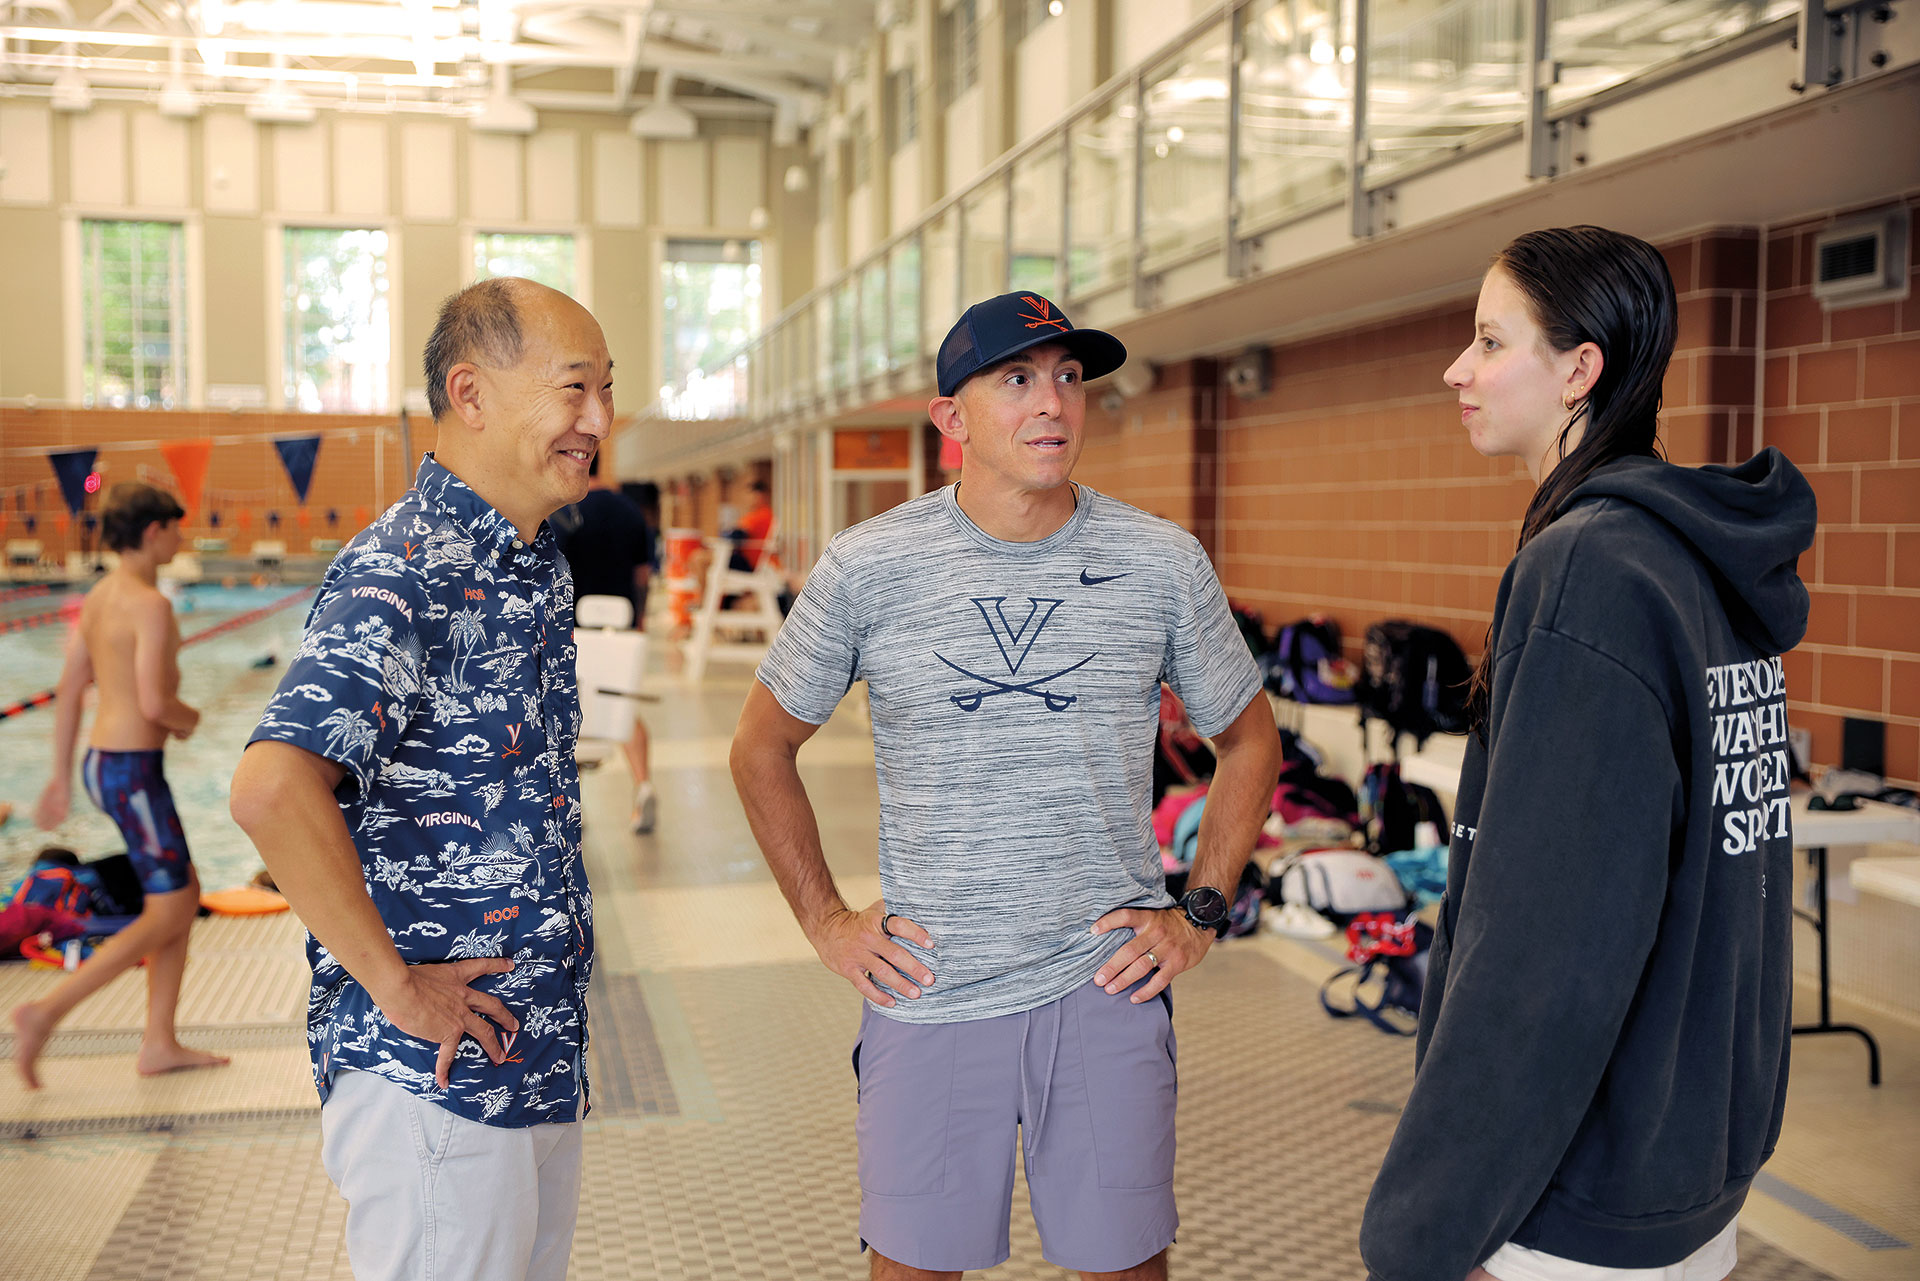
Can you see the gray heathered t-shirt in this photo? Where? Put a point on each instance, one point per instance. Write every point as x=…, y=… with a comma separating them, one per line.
x=1016, y=696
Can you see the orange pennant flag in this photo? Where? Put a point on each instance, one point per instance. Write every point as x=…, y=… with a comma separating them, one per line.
x=188, y=459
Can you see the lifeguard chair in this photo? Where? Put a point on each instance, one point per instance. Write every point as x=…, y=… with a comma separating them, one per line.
x=742, y=634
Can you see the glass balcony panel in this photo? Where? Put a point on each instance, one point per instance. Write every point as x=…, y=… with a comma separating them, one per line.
x=1036, y=221
x=1296, y=107
x=940, y=245
x=903, y=279
x=1100, y=215
x=823, y=313
x=986, y=248
x=1599, y=43
x=798, y=385
x=1437, y=75
x=1186, y=150
x=845, y=351
x=873, y=319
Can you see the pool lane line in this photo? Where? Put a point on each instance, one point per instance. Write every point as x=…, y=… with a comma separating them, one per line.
x=22, y=593
x=39, y=620
x=28, y=703
x=46, y=696
x=251, y=616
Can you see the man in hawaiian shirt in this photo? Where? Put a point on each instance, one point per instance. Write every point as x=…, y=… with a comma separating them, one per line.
x=412, y=790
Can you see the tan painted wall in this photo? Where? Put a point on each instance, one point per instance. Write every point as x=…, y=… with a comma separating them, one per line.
x=239, y=193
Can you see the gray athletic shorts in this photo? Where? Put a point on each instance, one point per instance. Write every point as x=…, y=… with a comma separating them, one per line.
x=1090, y=1082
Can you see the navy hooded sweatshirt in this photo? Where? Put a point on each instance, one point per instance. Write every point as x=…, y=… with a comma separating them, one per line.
x=1602, y=1055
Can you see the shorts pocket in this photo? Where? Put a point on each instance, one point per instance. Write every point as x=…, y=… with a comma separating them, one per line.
x=1129, y=1055
x=906, y=1076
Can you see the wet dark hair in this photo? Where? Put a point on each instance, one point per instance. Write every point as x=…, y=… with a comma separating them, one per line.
x=481, y=323
x=129, y=508
x=1591, y=285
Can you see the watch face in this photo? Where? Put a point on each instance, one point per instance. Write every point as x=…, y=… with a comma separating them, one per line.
x=1206, y=906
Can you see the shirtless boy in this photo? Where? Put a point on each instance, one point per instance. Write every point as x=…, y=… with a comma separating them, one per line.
x=127, y=644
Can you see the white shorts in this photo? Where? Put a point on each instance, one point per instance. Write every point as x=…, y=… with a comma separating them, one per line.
x=1711, y=1262
x=433, y=1195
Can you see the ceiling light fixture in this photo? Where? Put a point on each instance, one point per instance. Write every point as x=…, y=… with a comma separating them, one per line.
x=71, y=92
x=663, y=118
x=502, y=112
x=177, y=99
x=280, y=104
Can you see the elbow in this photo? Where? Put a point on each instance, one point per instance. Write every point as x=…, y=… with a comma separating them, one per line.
x=740, y=762
x=256, y=796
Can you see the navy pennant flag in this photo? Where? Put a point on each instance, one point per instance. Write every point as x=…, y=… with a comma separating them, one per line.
x=72, y=467
x=297, y=456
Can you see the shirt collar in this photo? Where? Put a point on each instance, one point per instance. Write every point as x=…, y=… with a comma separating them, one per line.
x=490, y=530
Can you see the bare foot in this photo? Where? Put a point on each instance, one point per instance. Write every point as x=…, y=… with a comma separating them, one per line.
x=31, y=1027
x=173, y=1057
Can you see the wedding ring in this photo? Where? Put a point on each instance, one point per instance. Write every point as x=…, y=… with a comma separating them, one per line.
x=883, y=924
x=1153, y=958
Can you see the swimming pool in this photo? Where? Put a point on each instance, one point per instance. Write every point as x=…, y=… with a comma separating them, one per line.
x=217, y=675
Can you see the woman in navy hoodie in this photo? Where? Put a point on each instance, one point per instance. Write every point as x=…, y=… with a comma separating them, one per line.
x=1602, y=1056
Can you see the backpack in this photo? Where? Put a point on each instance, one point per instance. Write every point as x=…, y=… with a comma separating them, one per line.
x=1415, y=679
x=1306, y=664
x=1392, y=809
x=1391, y=948
x=1303, y=792
x=1253, y=628
x=1339, y=884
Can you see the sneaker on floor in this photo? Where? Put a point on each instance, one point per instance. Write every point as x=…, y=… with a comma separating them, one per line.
x=644, y=807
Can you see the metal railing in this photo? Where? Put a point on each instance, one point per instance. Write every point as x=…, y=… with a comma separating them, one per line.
x=1252, y=117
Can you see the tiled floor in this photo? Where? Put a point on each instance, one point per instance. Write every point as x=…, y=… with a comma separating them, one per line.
x=722, y=1142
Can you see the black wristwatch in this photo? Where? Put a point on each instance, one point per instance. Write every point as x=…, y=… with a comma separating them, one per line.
x=1206, y=908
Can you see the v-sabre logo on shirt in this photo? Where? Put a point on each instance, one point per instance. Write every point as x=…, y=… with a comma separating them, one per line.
x=1015, y=642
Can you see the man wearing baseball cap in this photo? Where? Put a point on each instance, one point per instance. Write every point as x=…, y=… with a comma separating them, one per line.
x=1013, y=630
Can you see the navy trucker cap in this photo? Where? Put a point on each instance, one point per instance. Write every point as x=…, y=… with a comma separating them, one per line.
x=989, y=332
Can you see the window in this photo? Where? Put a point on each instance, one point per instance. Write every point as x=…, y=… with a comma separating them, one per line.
x=1024, y=16
x=133, y=307
x=339, y=346
x=710, y=307
x=903, y=109
x=548, y=259
x=958, y=53
x=860, y=144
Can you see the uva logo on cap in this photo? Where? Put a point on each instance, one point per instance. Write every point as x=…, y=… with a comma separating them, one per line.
x=1046, y=318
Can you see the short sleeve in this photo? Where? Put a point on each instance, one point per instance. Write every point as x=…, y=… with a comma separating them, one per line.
x=357, y=677
x=815, y=658
x=1207, y=661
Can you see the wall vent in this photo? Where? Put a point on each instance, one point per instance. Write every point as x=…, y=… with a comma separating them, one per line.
x=1863, y=260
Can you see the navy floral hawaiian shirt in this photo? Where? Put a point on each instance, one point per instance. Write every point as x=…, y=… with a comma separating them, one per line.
x=438, y=668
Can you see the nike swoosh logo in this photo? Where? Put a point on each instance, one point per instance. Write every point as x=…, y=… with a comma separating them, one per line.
x=1088, y=580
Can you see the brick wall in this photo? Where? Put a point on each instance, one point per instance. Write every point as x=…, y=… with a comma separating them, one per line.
x=358, y=473
x=1159, y=451
x=1350, y=488
x=1842, y=394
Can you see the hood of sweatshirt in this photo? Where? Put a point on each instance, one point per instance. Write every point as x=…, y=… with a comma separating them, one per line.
x=1749, y=524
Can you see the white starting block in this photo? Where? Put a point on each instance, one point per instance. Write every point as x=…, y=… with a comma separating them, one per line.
x=24, y=553
x=269, y=553
x=763, y=618
x=610, y=660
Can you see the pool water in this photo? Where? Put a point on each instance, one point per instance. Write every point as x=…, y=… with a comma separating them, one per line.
x=218, y=676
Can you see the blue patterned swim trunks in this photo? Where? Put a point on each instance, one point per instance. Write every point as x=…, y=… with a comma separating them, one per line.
x=131, y=789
